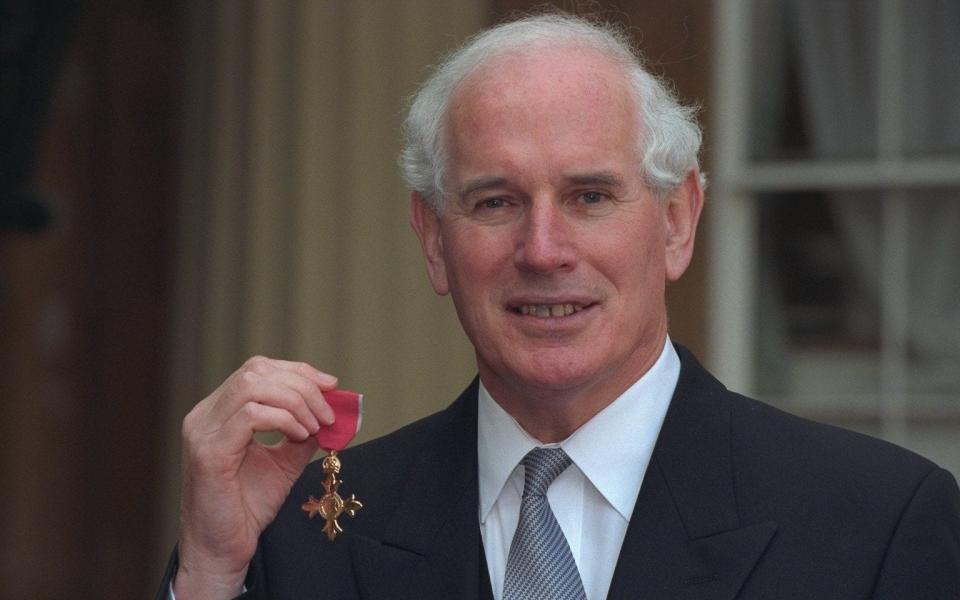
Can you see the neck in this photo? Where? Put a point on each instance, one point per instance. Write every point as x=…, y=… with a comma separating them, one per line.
x=552, y=414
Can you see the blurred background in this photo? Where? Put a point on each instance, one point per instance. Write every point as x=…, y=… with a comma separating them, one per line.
x=186, y=184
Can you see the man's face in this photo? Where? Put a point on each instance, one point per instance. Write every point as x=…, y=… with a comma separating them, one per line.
x=553, y=249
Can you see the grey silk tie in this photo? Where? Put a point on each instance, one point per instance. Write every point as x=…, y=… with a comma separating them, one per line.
x=540, y=565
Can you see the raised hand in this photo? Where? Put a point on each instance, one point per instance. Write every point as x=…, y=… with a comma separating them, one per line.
x=232, y=485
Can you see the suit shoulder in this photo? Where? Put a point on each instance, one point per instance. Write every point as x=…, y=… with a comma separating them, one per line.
x=408, y=437
x=837, y=494
x=778, y=445
x=798, y=452
x=432, y=434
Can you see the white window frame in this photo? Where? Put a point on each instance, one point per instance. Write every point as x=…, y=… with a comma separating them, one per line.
x=736, y=183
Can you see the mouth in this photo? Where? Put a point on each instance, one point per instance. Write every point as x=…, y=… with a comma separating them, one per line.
x=548, y=311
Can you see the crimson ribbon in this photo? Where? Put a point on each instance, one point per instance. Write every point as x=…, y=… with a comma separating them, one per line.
x=346, y=410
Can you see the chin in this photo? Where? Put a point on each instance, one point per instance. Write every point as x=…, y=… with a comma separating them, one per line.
x=554, y=375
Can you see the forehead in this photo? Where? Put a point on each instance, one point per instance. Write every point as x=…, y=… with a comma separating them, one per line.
x=541, y=99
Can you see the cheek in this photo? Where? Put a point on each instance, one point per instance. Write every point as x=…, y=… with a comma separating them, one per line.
x=634, y=260
x=470, y=270
x=474, y=252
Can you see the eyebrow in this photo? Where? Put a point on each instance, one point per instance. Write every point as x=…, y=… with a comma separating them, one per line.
x=482, y=183
x=603, y=178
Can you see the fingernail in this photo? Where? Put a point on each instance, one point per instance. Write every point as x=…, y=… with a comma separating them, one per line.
x=326, y=378
x=328, y=415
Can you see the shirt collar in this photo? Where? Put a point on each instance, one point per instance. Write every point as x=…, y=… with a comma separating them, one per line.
x=501, y=445
x=612, y=449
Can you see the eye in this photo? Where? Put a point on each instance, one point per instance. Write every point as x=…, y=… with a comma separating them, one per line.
x=491, y=203
x=592, y=197
x=593, y=203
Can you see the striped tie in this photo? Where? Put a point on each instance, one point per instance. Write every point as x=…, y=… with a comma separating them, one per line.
x=540, y=565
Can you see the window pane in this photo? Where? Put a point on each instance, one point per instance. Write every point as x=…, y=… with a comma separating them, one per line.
x=931, y=78
x=829, y=301
x=933, y=350
x=818, y=315
x=814, y=83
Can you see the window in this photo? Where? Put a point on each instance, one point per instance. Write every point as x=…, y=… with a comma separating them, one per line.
x=835, y=208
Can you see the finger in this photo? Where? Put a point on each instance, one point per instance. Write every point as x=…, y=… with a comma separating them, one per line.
x=235, y=391
x=269, y=367
x=254, y=417
x=266, y=390
x=324, y=381
x=310, y=391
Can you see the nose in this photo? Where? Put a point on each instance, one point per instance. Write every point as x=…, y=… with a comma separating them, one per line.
x=545, y=242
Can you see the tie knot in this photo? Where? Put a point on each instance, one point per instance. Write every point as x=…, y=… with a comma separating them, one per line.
x=541, y=466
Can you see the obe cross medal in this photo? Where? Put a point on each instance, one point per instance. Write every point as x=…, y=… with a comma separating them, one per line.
x=333, y=438
x=330, y=506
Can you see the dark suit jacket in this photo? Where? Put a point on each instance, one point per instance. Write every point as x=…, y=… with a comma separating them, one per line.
x=740, y=500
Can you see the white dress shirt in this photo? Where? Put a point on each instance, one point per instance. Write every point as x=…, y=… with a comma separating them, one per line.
x=594, y=497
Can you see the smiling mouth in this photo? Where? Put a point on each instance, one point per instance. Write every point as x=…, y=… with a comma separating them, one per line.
x=547, y=311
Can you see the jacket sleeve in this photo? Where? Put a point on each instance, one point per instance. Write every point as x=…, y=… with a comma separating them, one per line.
x=249, y=593
x=923, y=557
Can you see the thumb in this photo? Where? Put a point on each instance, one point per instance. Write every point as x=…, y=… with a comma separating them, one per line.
x=293, y=456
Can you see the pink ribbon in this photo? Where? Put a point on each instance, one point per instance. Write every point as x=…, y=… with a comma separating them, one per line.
x=346, y=409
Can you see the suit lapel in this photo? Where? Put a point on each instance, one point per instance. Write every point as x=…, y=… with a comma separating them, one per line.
x=685, y=539
x=432, y=545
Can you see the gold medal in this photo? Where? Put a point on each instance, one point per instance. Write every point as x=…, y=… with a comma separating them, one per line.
x=333, y=438
x=331, y=506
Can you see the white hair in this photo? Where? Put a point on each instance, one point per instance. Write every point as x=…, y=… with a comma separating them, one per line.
x=669, y=137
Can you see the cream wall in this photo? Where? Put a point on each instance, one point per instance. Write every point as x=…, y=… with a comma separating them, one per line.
x=293, y=238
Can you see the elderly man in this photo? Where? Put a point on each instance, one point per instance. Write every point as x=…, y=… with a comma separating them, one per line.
x=555, y=192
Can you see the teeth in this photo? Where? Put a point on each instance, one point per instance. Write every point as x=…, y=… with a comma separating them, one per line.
x=549, y=310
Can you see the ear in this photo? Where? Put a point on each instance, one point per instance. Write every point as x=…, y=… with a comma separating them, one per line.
x=426, y=223
x=682, y=215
